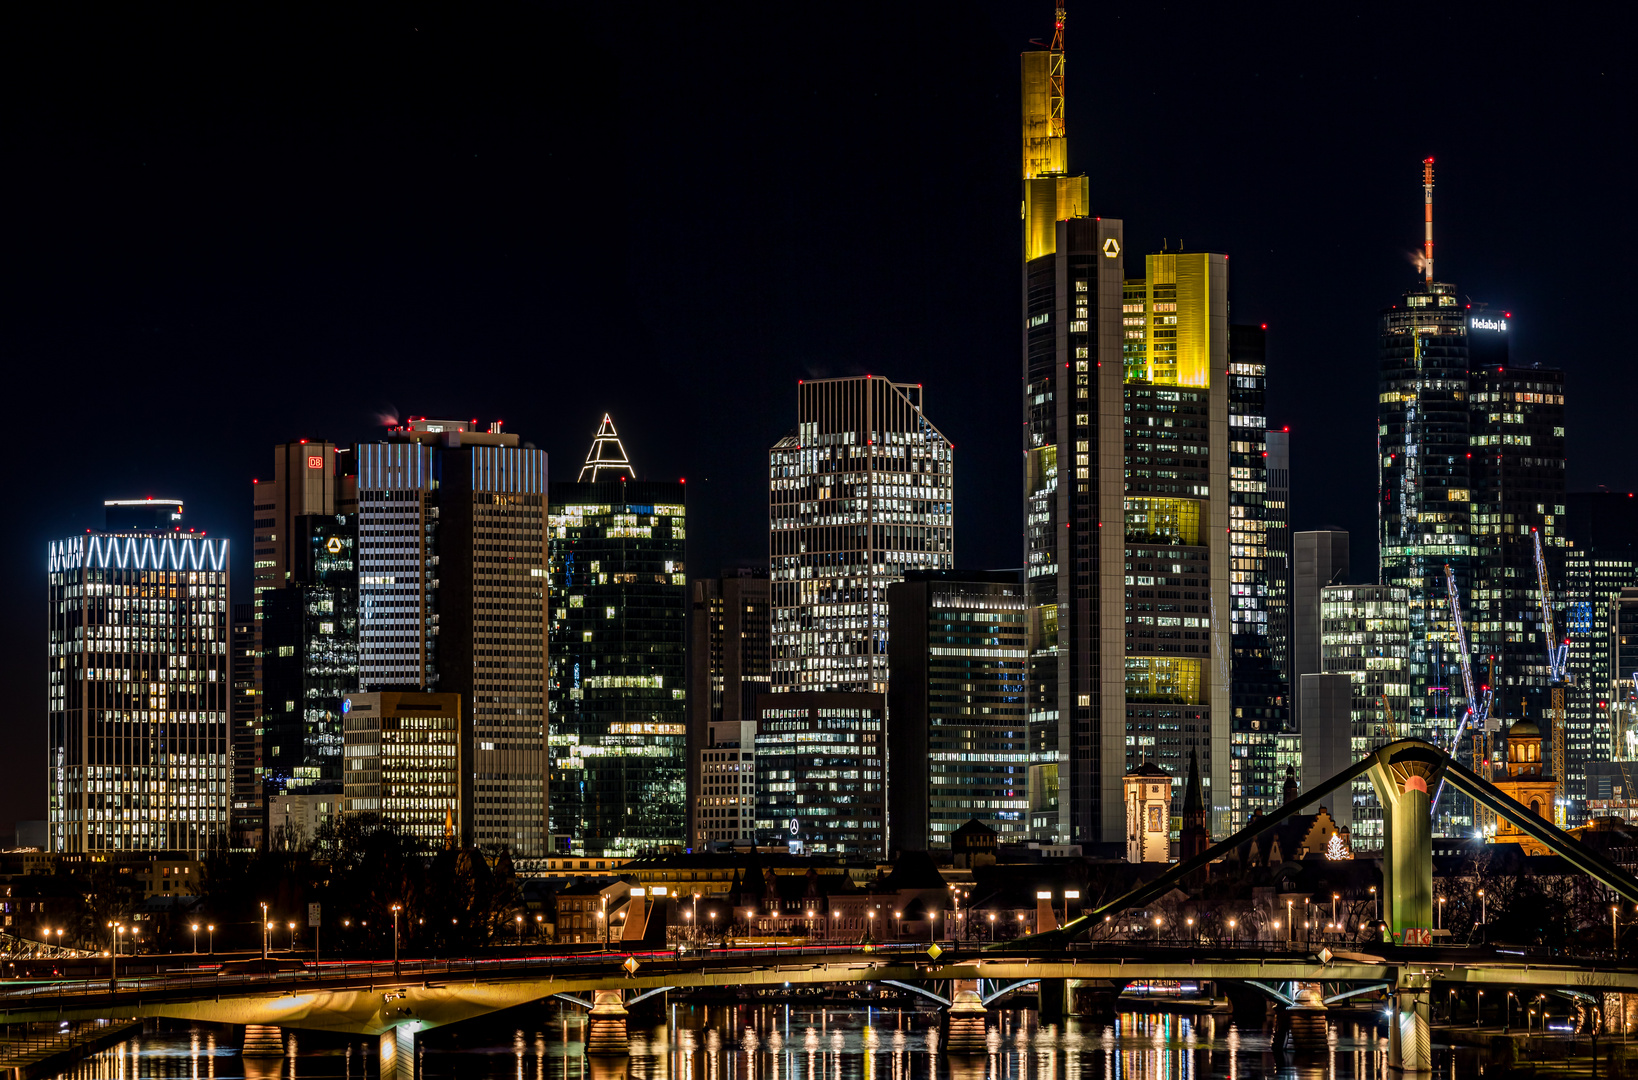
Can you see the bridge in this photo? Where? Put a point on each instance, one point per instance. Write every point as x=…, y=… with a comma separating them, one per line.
x=397, y=1001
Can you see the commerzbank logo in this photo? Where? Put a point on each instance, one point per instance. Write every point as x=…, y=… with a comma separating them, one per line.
x=1499, y=325
x=1111, y=248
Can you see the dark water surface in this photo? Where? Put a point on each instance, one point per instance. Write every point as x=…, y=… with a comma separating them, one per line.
x=785, y=1043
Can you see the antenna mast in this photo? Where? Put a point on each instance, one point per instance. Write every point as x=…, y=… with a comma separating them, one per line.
x=1427, y=217
x=1055, y=76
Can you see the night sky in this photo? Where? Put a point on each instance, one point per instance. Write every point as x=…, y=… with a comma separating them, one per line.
x=230, y=228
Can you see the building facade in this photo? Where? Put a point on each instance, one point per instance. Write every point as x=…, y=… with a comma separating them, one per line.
x=452, y=598
x=1279, y=553
x=860, y=493
x=1517, y=489
x=821, y=762
x=248, y=821
x=139, y=749
x=309, y=657
x=403, y=754
x=1259, y=692
x=1365, y=635
x=957, y=745
x=1320, y=559
x=619, y=742
x=730, y=649
x=1600, y=562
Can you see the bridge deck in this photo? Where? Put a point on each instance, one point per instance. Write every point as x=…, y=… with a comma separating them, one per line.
x=368, y=998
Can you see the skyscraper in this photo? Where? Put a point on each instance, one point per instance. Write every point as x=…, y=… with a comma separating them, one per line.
x=1260, y=693
x=248, y=820
x=861, y=492
x=1424, y=507
x=619, y=709
x=139, y=751
x=1320, y=559
x=1277, y=535
x=309, y=657
x=957, y=745
x=1517, y=489
x=728, y=661
x=1600, y=563
x=452, y=598
x=1126, y=445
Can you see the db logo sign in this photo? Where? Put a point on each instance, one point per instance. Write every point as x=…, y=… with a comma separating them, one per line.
x=315, y=461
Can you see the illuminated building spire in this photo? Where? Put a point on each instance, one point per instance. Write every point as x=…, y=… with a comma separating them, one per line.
x=1427, y=219
x=607, y=454
x=1051, y=195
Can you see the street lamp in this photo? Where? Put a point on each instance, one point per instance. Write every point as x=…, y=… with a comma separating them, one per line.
x=1231, y=925
x=1478, y=1011
x=1289, y=924
x=519, y=921
x=992, y=926
x=292, y=936
x=932, y=925
x=265, y=927
x=1334, y=898
x=898, y=924
x=1375, y=913
x=1189, y=922
x=1483, y=917
x=396, y=908
x=210, y=937
x=1157, y=927
x=1440, y=912
x=196, y=939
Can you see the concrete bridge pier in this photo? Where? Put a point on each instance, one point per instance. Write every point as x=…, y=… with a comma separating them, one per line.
x=398, y=1052
x=606, y=1024
x=966, y=1030
x=1410, y=1040
x=1094, y=999
x=1054, y=1000
x=1307, y=1020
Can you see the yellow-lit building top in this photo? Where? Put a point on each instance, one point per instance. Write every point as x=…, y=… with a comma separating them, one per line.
x=1166, y=320
x=1050, y=194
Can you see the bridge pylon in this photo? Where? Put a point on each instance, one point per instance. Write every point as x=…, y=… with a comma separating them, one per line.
x=606, y=1024
x=1405, y=776
x=398, y=1052
x=966, y=1030
x=1410, y=1027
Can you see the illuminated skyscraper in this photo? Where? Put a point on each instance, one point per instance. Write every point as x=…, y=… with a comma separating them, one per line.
x=1517, y=489
x=860, y=493
x=1261, y=699
x=957, y=741
x=1601, y=565
x=619, y=709
x=139, y=751
x=1127, y=500
x=452, y=598
x=248, y=819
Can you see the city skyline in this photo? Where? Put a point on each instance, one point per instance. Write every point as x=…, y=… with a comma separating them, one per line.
x=951, y=336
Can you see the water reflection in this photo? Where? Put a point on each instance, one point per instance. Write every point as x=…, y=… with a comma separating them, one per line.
x=692, y=1042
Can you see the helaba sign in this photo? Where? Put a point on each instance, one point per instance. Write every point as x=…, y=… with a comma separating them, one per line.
x=1498, y=325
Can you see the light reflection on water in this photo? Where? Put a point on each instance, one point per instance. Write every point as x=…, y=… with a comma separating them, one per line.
x=779, y=1043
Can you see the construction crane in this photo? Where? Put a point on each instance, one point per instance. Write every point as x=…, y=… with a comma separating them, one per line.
x=1393, y=727
x=1478, y=710
x=1558, y=677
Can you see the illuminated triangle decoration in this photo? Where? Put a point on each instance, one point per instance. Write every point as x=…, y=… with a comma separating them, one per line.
x=607, y=454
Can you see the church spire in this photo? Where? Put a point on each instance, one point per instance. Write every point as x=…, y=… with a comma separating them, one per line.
x=607, y=454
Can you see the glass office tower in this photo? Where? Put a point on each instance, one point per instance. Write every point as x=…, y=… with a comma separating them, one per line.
x=860, y=493
x=618, y=643
x=138, y=742
x=1364, y=634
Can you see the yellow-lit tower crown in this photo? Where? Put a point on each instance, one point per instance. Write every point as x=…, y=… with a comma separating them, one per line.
x=1050, y=194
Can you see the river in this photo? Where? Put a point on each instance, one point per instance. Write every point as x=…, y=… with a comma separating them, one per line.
x=805, y=1042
